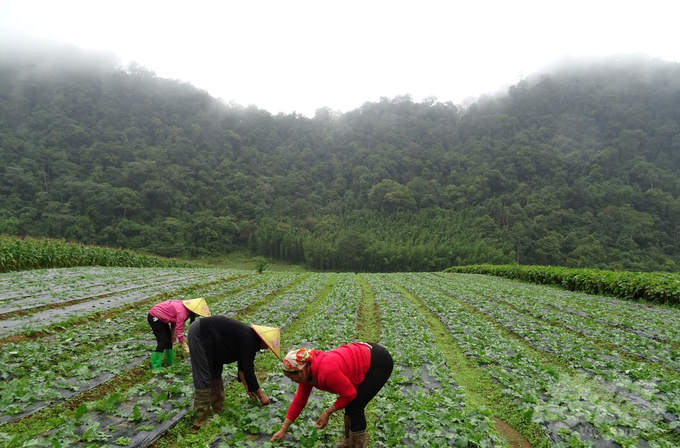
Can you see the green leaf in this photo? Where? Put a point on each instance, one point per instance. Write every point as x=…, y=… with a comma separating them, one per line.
x=82, y=409
x=461, y=442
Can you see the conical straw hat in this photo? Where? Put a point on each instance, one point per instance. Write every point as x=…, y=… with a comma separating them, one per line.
x=198, y=306
x=271, y=336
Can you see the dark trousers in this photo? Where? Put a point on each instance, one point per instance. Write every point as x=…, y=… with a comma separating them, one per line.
x=162, y=332
x=376, y=377
x=203, y=369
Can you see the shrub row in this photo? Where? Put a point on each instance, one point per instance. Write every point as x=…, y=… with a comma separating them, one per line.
x=29, y=253
x=655, y=287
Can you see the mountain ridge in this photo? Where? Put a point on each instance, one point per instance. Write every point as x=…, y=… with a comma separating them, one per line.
x=577, y=167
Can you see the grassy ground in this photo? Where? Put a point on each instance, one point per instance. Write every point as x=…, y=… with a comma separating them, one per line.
x=244, y=260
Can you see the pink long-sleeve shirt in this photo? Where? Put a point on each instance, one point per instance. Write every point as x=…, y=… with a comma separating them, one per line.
x=172, y=312
x=339, y=371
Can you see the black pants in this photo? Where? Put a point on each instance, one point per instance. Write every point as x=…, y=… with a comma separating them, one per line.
x=376, y=377
x=203, y=369
x=162, y=332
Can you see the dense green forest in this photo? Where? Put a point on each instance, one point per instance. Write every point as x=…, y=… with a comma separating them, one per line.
x=577, y=166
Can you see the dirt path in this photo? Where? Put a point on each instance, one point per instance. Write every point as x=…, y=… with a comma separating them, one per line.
x=510, y=434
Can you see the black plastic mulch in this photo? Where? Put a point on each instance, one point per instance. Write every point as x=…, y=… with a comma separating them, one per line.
x=80, y=386
x=143, y=414
x=303, y=427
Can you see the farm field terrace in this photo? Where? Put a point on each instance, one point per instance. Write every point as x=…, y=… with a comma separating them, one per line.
x=475, y=357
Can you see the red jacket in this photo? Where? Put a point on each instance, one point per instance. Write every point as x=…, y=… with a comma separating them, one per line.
x=339, y=371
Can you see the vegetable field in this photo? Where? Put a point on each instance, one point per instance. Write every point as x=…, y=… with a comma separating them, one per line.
x=480, y=361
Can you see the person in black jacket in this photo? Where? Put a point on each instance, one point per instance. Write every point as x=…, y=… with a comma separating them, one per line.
x=218, y=340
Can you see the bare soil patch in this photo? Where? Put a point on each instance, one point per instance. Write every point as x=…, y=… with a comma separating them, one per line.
x=510, y=434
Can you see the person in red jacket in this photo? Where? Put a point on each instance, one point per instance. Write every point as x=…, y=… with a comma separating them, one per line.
x=356, y=372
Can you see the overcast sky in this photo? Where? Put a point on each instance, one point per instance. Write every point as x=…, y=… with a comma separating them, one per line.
x=301, y=55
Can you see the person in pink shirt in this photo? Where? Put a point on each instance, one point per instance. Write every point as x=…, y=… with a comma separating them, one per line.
x=356, y=372
x=167, y=323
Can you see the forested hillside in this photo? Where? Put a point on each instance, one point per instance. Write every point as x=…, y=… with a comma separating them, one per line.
x=577, y=167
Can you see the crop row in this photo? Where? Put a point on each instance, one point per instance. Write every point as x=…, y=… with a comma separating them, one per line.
x=334, y=323
x=279, y=312
x=145, y=411
x=567, y=403
x=546, y=307
x=80, y=280
x=652, y=321
x=654, y=391
x=91, y=333
x=62, y=299
x=178, y=382
x=80, y=358
x=650, y=287
x=569, y=365
x=324, y=328
x=42, y=319
x=420, y=405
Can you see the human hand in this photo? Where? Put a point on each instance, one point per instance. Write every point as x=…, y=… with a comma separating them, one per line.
x=173, y=338
x=278, y=435
x=264, y=399
x=323, y=420
x=185, y=347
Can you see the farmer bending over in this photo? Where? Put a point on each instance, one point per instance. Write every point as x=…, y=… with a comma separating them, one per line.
x=167, y=323
x=355, y=371
x=218, y=340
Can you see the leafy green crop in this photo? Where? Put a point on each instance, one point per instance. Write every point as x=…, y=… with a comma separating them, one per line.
x=649, y=287
x=30, y=253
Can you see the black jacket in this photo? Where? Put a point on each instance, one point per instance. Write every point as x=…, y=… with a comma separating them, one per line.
x=227, y=340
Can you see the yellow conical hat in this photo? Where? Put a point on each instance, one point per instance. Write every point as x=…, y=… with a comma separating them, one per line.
x=271, y=336
x=198, y=306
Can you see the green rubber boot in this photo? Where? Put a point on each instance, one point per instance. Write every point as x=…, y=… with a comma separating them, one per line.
x=169, y=356
x=156, y=360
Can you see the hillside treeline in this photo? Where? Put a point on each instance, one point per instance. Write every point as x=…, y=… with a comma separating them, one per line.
x=576, y=167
